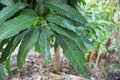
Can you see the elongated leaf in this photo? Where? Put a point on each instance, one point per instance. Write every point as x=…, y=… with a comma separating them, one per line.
x=40, y=7
x=29, y=12
x=6, y=51
x=73, y=52
x=14, y=26
x=7, y=2
x=12, y=44
x=8, y=66
x=65, y=10
x=63, y=31
x=37, y=47
x=63, y=22
x=27, y=44
x=9, y=11
x=44, y=44
x=16, y=41
x=71, y=35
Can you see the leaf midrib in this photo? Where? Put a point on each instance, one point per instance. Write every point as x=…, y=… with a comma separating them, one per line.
x=14, y=28
x=66, y=12
x=72, y=54
x=8, y=12
x=29, y=41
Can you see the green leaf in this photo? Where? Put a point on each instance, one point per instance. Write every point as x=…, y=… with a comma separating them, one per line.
x=73, y=52
x=7, y=2
x=71, y=35
x=66, y=10
x=12, y=44
x=8, y=66
x=61, y=21
x=37, y=47
x=40, y=7
x=2, y=43
x=44, y=44
x=6, y=51
x=14, y=26
x=16, y=41
x=82, y=2
x=26, y=45
x=9, y=11
x=30, y=12
x=88, y=44
x=63, y=31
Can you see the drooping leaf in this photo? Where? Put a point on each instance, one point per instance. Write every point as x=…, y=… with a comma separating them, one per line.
x=6, y=51
x=44, y=44
x=14, y=26
x=63, y=31
x=80, y=40
x=73, y=52
x=16, y=41
x=37, y=47
x=10, y=10
x=66, y=10
x=12, y=44
x=26, y=45
x=63, y=22
x=7, y=66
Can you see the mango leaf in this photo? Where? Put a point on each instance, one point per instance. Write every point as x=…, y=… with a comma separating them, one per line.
x=65, y=10
x=6, y=51
x=15, y=43
x=44, y=44
x=37, y=47
x=7, y=66
x=40, y=7
x=14, y=26
x=80, y=40
x=28, y=12
x=9, y=11
x=12, y=44
x=26, y=45
x=73, y=52
x=10, y=48
x=7, y=2
x=63, y=31
x=63, y=22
